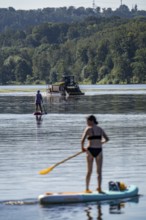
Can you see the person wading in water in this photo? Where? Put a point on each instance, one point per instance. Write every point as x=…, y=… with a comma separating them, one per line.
x=96, y=138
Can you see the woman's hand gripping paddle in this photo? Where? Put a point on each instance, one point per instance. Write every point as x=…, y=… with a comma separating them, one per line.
x=49, y=169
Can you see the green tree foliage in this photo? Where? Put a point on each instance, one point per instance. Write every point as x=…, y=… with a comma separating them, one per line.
x=96, y=50
x=20, y=19
x=139, y=66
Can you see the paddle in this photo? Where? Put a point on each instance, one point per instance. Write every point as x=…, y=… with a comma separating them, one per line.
x=49, y=169
x=44, y=109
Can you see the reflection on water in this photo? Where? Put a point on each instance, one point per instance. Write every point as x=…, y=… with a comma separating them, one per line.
x=89, y=90
x=29, y=144
x=115, y=208
x=39, y=120
x=26, y=148
x=101, y=104
x=89, y=211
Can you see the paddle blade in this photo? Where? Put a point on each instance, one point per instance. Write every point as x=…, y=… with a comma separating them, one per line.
x=46, y=171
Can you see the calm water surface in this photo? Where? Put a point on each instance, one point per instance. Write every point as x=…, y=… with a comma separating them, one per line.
x=27, y=146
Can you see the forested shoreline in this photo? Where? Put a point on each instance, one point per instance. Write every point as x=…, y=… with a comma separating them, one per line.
x=22, y=19
x=95, y=49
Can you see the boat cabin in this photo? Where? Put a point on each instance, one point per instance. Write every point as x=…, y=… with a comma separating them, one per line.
x=67, y=86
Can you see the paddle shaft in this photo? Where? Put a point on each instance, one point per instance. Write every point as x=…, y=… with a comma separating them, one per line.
x=49, y=169
x=44, y=108
x=63, y=161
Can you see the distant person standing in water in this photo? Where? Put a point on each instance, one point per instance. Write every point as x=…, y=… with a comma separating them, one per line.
x=38, y=101
x=96, y=138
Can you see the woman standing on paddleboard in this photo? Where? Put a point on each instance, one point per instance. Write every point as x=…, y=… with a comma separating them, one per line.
x=38, y=101
x=96, y=137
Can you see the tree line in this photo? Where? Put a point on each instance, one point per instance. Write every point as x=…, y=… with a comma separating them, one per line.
x=96, y=50
x=20, y=19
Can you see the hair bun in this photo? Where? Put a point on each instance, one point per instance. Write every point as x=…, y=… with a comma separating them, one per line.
x=92, y=118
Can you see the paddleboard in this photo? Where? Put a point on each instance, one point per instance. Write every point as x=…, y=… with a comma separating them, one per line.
x=38, y=113
x=68, y=197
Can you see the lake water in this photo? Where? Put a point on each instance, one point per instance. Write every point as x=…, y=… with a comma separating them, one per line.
x=27, y=146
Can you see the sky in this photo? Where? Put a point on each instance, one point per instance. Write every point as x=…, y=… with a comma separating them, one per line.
x=35, y=4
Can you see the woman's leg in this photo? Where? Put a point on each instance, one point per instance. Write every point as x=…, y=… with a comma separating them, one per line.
x=89, y=170
x=36, y=107
x=40, y=107
x=99, y=160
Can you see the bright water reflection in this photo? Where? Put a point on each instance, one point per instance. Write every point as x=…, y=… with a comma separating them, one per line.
x=101, y=104
x=27, y=146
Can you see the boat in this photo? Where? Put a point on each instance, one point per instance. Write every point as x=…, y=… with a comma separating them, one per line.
x=68, y=197
x=67, y=87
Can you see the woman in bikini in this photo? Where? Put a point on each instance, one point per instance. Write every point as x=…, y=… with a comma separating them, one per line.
x=96, y=137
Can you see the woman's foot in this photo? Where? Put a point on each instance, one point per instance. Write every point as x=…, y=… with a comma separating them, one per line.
x=100, y=190
x=88, y=191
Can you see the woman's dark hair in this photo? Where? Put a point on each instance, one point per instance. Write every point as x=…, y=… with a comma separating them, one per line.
x=92, y=118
